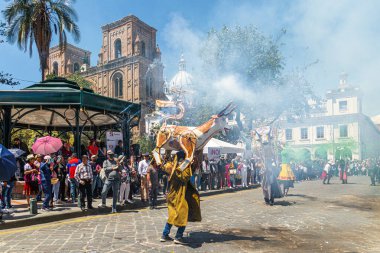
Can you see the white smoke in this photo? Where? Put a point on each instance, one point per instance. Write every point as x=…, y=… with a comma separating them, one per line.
x=330, y=36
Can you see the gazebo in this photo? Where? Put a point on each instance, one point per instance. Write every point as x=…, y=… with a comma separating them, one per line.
x=61, y=105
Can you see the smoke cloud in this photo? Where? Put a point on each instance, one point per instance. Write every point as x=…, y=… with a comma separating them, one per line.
x=324, y=38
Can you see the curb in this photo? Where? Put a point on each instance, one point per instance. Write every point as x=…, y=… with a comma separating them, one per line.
x=76, y=213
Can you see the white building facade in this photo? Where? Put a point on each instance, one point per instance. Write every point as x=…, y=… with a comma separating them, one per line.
x=340, y=130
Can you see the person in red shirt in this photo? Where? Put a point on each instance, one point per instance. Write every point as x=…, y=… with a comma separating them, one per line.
x=66, y=150
x=93, y=149
x=71, y=167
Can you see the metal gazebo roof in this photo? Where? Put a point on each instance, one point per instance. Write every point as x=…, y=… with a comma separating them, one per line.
x=51, y=105
x=60, y=105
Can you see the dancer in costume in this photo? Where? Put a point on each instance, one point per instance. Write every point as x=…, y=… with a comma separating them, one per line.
x=286, y=177
x=271, y=188
x=183, y=199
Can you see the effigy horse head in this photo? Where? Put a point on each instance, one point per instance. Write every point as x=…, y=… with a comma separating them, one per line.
x=227, y=110
x=220, y=120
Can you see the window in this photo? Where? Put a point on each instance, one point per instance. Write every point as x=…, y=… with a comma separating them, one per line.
x=76, y=67
x=304, y=134
x=55, y=68
x=343, y=106
x=320, y=132
x=343, y=131
x=118, y=85
x=289, y=134
x=149, y=88
x=117, y=48
x=142, y=48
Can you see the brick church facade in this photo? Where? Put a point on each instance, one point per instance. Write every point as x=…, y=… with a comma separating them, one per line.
x=129, y=64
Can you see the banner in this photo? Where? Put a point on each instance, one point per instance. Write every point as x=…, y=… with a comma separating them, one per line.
x=112, y=140
x=214, y=154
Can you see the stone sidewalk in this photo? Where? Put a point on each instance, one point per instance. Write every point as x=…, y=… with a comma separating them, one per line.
x=21, y=216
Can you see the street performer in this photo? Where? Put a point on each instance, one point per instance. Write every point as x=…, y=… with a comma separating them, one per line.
x=183, y=198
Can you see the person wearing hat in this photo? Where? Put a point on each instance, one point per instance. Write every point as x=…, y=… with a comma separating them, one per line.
x=183, y=199
x=30, y=178
x=112, y=169
x=143, y=171
x=46, y=169
x=83, y=175
x=37, y=164
x=125, y=185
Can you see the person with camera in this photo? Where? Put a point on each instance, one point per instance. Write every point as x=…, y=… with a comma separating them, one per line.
x=112, y=169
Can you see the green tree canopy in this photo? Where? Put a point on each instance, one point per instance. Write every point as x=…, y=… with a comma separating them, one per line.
x=247, y=67
x=243, y=50
x=75, y=77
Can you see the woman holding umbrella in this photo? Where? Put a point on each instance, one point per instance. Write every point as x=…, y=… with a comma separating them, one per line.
x=30, y=177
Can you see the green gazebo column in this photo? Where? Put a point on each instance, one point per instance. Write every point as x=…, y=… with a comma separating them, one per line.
x=7, y=127
x=77, y=133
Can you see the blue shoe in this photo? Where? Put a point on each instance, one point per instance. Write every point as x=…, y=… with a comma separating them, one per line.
x=166, y=238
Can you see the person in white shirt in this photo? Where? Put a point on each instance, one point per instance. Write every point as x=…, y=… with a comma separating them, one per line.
x=206, y=174
x=244, y=172
x=143, y=171
x=327, y=171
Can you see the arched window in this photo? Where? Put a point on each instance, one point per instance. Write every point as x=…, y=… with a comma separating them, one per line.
x=117, y=48
x=76, y=67
x=142, y=48
x=118, y=85
x=149, y=88
x=55, y=68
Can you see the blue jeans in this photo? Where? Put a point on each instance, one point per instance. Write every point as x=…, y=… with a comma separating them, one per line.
x=115, y=192
x=192, y=180
x=96, y=183
x=7, y=194
x=179, y=234
x=46, y=188
x=73, y=188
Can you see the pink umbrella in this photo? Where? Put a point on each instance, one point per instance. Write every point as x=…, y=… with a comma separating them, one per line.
x=46, y=145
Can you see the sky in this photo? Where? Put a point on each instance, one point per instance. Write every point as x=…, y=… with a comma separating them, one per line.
x=324, y=38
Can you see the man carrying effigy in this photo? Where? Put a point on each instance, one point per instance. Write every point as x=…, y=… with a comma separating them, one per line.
x=183, y=199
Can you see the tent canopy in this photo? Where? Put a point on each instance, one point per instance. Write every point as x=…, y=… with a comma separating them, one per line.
x=226, y=147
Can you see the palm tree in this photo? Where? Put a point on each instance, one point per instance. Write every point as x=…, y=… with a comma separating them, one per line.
x=35, y=21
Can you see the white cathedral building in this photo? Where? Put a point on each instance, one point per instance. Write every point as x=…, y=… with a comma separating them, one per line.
x=180, y=88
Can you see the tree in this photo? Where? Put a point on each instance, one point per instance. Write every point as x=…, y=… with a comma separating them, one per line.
x=245, y=51
x=5, y=78
x=75, y=77
x=80, y=80
x=249, y=67
x=35, y=21
x=146, y=144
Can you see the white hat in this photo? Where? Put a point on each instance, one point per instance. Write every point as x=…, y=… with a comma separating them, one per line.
x=29, y=157
x=47, y=157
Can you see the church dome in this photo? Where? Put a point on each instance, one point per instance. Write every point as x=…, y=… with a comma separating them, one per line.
x=182, y=80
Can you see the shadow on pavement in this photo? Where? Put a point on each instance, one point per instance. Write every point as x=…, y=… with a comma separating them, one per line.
x=283, y=203
x=198, y=238
x=303, y=196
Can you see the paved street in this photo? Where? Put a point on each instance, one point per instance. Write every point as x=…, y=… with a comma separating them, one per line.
x=314, y=218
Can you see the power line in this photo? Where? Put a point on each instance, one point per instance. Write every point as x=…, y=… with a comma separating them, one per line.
x=23, y=80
